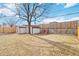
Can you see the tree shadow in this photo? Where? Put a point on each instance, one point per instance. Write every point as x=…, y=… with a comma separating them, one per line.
x=61, y=46
x=73, y=43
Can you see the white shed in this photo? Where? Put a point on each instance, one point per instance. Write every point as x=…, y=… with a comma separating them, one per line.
x=35, y=30
x=21, y=29
x=24, y=29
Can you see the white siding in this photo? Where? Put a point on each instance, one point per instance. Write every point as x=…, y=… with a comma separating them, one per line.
x=52, y=31
x=63, y=31
x=21, y=30
x=36, y=30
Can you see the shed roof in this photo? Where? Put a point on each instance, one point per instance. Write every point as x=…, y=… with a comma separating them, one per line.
x=24, y=26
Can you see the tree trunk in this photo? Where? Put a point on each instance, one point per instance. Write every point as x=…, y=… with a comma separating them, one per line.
x=29, y=29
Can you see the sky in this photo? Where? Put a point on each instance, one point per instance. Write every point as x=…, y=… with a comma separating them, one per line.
x=55, y=12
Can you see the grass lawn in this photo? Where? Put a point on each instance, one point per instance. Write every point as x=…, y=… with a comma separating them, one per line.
x=25, y=44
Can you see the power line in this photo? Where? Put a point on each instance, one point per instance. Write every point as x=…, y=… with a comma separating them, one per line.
x=65, y=14
x=47, y=16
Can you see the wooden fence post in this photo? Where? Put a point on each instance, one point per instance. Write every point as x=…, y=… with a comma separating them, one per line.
x=78, y=32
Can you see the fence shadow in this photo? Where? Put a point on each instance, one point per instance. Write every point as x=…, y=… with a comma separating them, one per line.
x=60, y=46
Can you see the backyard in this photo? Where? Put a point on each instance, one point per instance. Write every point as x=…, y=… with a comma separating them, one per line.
x=25, y=44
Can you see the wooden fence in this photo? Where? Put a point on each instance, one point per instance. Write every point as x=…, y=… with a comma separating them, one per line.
x=61, y=27
x=78, y=32
x=7, y=29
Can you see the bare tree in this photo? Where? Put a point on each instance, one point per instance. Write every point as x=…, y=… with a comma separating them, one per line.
x=11, y=22
x=30, y=12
